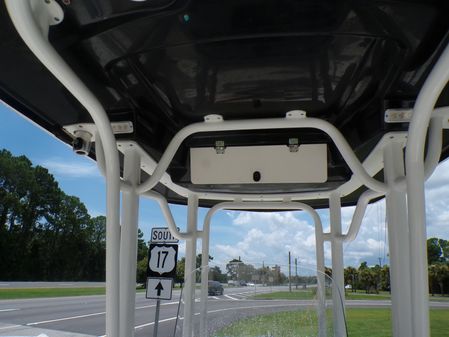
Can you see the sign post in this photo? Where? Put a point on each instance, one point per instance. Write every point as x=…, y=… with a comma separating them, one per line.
x=161, y=269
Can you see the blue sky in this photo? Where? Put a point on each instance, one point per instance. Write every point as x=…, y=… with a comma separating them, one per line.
x=256, y=237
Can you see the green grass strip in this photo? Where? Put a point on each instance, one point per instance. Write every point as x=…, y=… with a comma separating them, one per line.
x=309, y=294
x=23, y=293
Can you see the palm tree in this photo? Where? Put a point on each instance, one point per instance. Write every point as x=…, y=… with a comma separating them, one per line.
x=351, y=277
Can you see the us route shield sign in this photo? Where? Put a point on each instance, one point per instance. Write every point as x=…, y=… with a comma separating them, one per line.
x=162, y=260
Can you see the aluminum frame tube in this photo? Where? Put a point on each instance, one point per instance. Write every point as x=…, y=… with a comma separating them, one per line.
x=338, y=287
x=163, y=204
x=359, y=213
x=435, y=143
x=26, y=25
x=414, y=164
x=261, y=124
x=205, y=241
x=190, y=266
x=286, y=205
x=431, y=162
x=399, y=245
x=128, y=244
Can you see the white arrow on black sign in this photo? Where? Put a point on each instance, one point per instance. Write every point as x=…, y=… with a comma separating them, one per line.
x=159, y=288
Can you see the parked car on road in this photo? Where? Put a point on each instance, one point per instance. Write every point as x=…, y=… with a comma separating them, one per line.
x=215, y=288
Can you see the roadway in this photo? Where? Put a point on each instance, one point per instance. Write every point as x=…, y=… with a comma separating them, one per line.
x=85, y=315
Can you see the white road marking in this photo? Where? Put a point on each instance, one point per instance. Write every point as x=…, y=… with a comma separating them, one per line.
x=210, y=311
x=153, y=305
x=66, y=318
x=88, y=315
x=214, y=297
x=7, y=310
x=4, y=284
x=232, y=298
x=152, y=323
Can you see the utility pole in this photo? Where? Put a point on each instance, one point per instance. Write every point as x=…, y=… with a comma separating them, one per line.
x=296, y=272
x=289, y=272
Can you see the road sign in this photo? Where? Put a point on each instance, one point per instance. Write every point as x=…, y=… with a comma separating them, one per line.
x=159, y=288
x=162, y=260
x=162, y=235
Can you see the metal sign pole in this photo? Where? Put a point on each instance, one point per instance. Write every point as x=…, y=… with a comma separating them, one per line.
x=177, y=313
x=289, y=272
x=161, y=268
x=156, y=318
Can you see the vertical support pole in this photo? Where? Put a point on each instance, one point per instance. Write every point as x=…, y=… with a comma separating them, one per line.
x=296, y=272
x=321, y=281
x=128, y=244
x=204, y=279
x=338, y=293
x=418, y=255
x=156, y=318
x=399, y=245
x=289, y=272
x=189, y=273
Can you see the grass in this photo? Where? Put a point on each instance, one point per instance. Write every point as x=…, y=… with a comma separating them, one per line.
x=22, y=293
x=283, y=324
x=361, y=323
x=377, y=322
x=309, y=294
x=285, y=295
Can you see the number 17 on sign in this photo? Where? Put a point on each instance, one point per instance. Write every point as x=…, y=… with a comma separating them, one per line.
x=162, y=260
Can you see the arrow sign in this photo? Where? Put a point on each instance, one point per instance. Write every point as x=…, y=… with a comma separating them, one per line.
x=159, y=288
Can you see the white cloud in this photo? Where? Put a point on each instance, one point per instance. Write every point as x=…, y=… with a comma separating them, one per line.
x=267, y=238
x=70, y=169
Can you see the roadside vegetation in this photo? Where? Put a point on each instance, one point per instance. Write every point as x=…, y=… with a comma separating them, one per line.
x=360, y=323
x=45, y=234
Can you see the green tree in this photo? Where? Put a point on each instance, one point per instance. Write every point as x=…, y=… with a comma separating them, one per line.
x=215, y=274
x=44, y=233
x=350, y=275
x=142, y=248
x=199, y=258
x=385, y=278
x=438, y=273
x=434, y=252
x=142, y=266
x=367, y=277
x=233, y=268
x=180, y=268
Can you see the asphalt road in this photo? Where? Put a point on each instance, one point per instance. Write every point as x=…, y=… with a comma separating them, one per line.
x=86, y=315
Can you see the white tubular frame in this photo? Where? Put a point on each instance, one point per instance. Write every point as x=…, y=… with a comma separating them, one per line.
x=294, y=206
x=338, y=284
x=264, y=124
x=23, y=19
x=31, y=27
x=128, y=243
x=399, y=245
x=414, y=166
x=190, y=267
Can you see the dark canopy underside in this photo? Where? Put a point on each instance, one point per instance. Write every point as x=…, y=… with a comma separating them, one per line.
x=164, y=64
